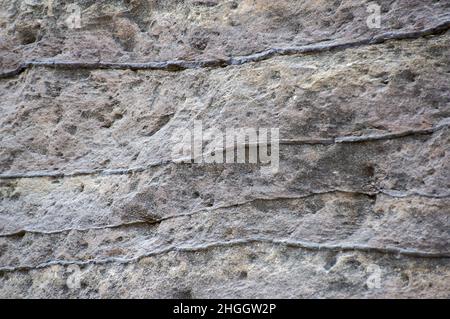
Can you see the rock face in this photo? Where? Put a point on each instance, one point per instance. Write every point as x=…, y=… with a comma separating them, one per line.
x=94, y=205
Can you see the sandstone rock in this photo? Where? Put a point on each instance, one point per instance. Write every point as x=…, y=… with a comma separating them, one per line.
x=94, y=204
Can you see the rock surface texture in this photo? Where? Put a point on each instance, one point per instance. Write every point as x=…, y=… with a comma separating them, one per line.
x=93, y=205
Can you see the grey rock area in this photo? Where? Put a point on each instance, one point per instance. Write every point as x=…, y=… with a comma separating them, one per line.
x=93, y=203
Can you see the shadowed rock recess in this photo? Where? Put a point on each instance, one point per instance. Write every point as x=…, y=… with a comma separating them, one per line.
x=93, y=205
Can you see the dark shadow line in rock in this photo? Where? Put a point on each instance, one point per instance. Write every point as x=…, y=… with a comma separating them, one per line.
x=393, y=194
x=288, y=142
x=180, y=65
x=299, y=244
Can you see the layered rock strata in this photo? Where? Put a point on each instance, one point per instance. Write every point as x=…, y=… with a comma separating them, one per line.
x=94, y=205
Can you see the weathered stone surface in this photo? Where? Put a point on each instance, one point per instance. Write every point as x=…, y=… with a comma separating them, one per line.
x=91, y=194
x=253, y=270
x=351, y=220
x=123, y=115
x=165, y=30
x=176, y=188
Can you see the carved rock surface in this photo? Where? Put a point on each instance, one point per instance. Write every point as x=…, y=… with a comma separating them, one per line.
x=93, y=204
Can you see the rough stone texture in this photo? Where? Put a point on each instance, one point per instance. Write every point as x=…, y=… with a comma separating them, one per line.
x=89, y=188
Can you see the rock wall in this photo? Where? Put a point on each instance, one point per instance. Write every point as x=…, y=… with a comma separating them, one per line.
x=94, y=206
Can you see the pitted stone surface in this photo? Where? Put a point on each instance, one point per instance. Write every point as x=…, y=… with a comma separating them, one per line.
x=90, y=192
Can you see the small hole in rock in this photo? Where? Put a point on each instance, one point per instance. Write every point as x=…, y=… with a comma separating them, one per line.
x=369, y=170
x=243, y=275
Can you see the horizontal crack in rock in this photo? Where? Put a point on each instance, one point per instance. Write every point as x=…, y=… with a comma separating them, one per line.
x=390, y=193
x=180, y=65
x=326, y=141
x=235, y=242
